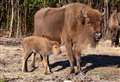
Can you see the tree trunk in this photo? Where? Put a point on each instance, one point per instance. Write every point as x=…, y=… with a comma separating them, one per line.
x=106, y=18
x=25, y=26
x=12, y=18
x=8, y=14
x=90, y=2
x=18, y=22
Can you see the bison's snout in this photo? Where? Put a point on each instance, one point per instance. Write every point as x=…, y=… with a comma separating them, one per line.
x=98, y=36
x=113, y=39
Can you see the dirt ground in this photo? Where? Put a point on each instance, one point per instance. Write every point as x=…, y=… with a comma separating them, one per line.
x=101, y=65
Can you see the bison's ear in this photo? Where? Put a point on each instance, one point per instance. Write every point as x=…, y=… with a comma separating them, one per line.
x=83, y=13
x=84, y=18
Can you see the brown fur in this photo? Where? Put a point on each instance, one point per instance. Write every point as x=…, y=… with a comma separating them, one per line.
x=114, y=25
x=69, y=24
x=41, y=45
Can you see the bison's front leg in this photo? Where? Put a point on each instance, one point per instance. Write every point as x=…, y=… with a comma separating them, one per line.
x=69, y=50
x=77, y=57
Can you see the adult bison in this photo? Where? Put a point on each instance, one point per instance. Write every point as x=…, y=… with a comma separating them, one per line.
x=114, y=26
x=75, y=25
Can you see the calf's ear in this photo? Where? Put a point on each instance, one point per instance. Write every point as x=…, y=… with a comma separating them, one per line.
x=55, y=43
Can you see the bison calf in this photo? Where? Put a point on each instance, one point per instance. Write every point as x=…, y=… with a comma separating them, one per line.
x=41, y=45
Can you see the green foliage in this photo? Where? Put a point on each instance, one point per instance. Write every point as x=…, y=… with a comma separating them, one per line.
x=2, y=80
x=29, y=7
x=32, y=6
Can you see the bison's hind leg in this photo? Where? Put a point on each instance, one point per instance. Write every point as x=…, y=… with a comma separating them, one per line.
x=25, y=59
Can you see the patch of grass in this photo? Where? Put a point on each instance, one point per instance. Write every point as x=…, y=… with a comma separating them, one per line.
x=1, y=80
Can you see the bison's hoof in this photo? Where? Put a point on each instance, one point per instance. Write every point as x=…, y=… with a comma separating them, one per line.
x=47, y=73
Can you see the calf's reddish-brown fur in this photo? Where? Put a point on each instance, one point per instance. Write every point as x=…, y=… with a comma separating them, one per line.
x=41, y=45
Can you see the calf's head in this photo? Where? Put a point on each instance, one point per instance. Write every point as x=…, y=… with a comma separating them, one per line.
x=56, y=48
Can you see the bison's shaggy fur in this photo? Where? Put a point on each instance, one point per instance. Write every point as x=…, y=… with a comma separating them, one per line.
x=69, y=25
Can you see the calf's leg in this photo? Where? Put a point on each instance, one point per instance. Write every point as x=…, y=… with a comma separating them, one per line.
x=33, y=60
x=25, y=58
x=46, y=64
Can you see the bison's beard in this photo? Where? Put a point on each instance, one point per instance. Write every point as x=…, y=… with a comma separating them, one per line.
x=85, y=43
x=93, y=44
x=89, y=40
x=95, y=38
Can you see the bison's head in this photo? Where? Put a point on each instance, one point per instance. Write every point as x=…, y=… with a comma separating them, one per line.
x=92, y=21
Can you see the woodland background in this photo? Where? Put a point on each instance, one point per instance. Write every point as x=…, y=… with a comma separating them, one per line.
x=16, y=22
x=16, y=16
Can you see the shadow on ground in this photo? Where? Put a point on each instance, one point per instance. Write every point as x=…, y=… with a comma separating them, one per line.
x=95, y=60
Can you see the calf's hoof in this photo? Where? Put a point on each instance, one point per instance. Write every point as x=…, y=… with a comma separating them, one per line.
x=24, y=70
x=72, y=70
x=33, y=66
x=78, y=69
x=46, y=73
